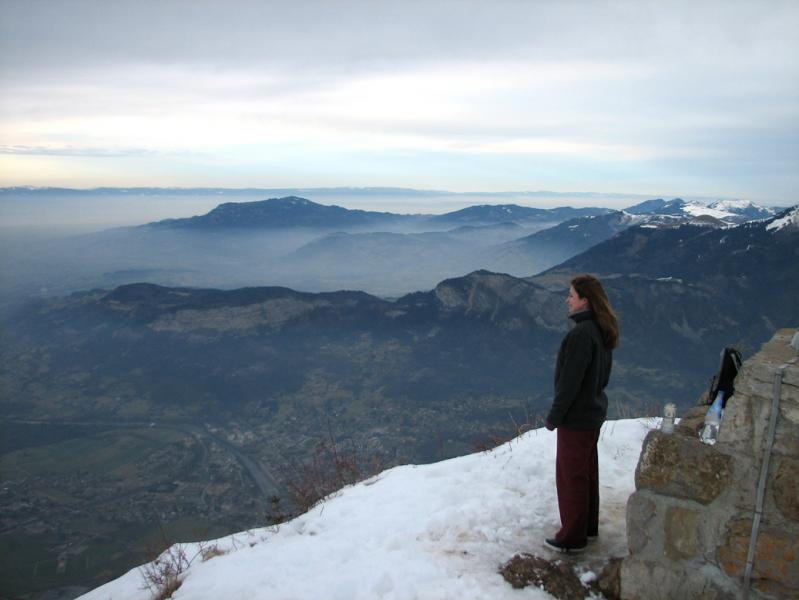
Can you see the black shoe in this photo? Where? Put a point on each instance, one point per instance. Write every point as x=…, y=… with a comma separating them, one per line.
x=556, y=545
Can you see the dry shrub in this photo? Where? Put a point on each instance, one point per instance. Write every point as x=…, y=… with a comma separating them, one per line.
x=514, y=429
x=211, y=552
x=163, y=575
x=331, y=467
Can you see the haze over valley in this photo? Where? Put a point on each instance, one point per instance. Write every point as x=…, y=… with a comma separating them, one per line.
x=310, y=246
x=172, y=376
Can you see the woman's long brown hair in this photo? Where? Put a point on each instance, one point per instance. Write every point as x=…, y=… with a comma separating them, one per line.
x=589, y=287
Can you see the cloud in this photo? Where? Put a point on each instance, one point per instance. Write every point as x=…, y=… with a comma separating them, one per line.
x=294, y=87
x=71, y=151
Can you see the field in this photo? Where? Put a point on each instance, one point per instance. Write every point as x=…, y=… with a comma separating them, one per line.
x=86, y=509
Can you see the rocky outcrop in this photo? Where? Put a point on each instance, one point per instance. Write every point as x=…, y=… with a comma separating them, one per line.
x=690, y=520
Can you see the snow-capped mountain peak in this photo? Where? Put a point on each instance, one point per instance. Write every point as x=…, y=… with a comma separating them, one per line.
x=788, y=220
x=725, y=211
x=697, y=209
x=743, y=208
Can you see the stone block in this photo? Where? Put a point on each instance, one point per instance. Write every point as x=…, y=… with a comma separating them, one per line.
x=789, y=407
x=644, y=580
x=681, y=533
x=746, y=423
x=682, y=467
x=737, y=427
x=691, y=422
x=786, y=489
x=791, y=379
x=640, y=511
x=776, y=554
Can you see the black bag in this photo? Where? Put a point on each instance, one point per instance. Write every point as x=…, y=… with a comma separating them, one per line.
x=725, y=378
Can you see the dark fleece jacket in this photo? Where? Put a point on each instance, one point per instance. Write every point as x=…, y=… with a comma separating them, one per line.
x=581, y=375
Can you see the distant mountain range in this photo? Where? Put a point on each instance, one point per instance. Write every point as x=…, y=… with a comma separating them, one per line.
x=682, y=293
x=301, y=244
x=292, y=212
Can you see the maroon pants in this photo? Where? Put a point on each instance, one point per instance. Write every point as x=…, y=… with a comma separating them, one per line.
x=577, y=480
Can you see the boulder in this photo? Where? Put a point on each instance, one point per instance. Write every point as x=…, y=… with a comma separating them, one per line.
x=682, y=467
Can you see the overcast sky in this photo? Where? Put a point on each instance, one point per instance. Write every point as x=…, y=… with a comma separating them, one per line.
x=662, y=98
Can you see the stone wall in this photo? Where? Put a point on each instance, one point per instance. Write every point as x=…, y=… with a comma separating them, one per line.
x=690, y=519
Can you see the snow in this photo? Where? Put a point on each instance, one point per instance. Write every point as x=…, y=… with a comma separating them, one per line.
x=733, y=205
x=695, y=209
x=438, y=531
x=632, y=219
x=789, y=220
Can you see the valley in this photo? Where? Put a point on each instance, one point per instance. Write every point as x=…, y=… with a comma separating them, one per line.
x=81, y=510
x=136, y=415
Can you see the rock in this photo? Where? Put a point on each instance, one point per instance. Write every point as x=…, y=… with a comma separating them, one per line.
x=776, y=554
x=682, y=467
x=786, y=484
x=682, y=533
x=691, y=422
x=556, y=578
x=609, y=582
x=640, y=509
x=645, y=580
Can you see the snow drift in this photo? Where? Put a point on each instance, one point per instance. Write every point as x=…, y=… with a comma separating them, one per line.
x=438, y=531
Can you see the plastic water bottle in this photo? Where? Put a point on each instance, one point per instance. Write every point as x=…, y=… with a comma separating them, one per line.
x=669, y=412
x=710, y=430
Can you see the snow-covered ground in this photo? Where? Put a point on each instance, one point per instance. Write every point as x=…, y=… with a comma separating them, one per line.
x=437, y=532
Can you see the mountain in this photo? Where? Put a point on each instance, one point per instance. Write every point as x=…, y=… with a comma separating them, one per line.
x=279, y=213
x=392, y=263
x=438, y=531
x=549, y=247
x=546, y=248
x=726, y=211
x=470, y=335
x=259, y=350
x=293, y=211
x=500, y=213
x=705, y=284
x=744, y=209
x=751, y=251
x=290, y=242
x=787, y=220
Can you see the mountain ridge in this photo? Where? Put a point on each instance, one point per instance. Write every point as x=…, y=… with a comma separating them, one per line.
x=294, y=211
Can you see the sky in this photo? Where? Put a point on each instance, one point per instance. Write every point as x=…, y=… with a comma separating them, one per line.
x=697, y=98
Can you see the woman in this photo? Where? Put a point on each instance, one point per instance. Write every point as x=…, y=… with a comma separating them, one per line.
x=579, y=409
